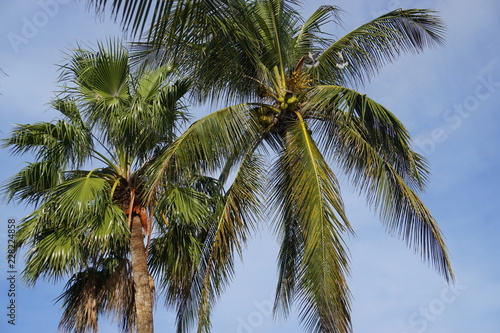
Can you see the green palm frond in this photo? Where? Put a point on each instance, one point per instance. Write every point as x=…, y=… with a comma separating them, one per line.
x=306, y=195
x=309, y=38
x=231, y=42
x=60, y=142
x=79, y=197
x=184, y=203
x=374, y=149
x=77, y=218
x=108, y=230
x=138, y=15
x=331, y=105
x=173, y=257
x=402, y=211
x=101, y=75
x=33, y=182
x=269, y=18
x=54, y=252
x=61, y=239
x=150, y=82
x=235, y=218
x=69, y=108
x=367, y=48
x=209, y=44
x=203, y=146
x=149, y=126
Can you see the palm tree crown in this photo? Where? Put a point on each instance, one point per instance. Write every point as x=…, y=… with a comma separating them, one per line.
x=291, y=82
x=89, y=224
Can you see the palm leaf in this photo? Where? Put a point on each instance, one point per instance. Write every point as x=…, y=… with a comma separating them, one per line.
x=203, y=146
x=80, y=302
x=33, y=182
x=140, y=15
x=75, y=223
x=310, y=31
x=61, y=142
x=184, y=203
x=400, y=208
x=369, y=47
x=306, y=195
x=53, y=252
x=78, y=197
x=225, y=237
x=377, y=125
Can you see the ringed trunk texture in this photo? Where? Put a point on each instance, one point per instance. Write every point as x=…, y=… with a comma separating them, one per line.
x=143, y=297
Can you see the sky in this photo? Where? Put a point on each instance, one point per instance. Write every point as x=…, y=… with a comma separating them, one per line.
x=449, y=100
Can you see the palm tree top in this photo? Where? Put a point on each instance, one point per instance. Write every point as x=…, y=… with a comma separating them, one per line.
x=295, y=104
x=89, y=224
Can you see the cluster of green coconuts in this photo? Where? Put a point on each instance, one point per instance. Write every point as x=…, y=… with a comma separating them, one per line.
x=287, y=100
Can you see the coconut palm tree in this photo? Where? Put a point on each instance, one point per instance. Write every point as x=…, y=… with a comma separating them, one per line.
x=296, y=107
x=89, y=224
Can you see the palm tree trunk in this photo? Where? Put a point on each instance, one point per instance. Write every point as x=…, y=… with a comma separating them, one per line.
x=143, y=295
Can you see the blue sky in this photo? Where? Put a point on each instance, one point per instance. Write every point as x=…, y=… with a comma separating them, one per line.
x=449, y=99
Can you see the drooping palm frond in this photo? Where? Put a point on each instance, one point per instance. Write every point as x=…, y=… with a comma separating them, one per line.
x=53, y=252
x=306, y=195
x=174, y=257
x=80, y=302
x=374, y=149
x=241, y=210
x=331, y=105
x=402, y=211
x=209, y=250
x=118, y=295
x=76, y=221
x=69, y=109
x=104, y=287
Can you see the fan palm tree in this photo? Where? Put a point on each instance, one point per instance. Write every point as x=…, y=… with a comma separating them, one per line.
x=295, y=103
x=89, y=225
